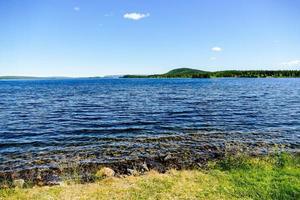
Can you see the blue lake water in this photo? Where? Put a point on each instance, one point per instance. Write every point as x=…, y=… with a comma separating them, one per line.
x=106, y=120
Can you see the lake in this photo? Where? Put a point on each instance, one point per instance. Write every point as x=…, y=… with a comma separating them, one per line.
x=109, y=120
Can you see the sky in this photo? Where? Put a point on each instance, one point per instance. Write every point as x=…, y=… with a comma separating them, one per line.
x=82, y=38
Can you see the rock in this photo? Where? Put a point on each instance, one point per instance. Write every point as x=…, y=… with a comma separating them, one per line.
x=52, y=183
x=168, y=157
x=133, y=172
x=39, y=180
x=52, y=180
x=145, y=167
x=5, y=186
x=39, y=177
x=105, y=172
x=40, y=183
x=62, y=184
x=19, y=183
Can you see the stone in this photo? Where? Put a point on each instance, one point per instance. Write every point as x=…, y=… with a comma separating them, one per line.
x=39, y=177
x=105, y=172
x=40, y=183
x=39, y=180
x=62, y=184
x=133, y=172
x=5, y=186
x=168, y=157
x=53, y=180
x=19, y=183
x=52, y=183
x=145, y=167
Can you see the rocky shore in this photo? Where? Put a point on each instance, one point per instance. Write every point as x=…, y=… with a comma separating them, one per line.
x=84, y=172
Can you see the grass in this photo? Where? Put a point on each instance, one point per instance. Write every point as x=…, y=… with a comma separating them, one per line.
x=235, y=177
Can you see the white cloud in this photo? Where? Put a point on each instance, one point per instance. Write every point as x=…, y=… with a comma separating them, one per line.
x=136, y=16
x=292, y=63
x=213, y=58
x=216, y=49
x=76, y=8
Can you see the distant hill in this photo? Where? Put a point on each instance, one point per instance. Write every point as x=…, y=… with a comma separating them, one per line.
x=184, y=71
x=195, y=73
x=175, y=73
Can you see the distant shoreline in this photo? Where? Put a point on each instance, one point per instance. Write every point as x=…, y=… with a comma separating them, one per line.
x=30, y=78
x=194, y=73
x=182, y=73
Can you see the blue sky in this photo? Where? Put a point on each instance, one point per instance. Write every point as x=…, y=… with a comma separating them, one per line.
x=104, y=37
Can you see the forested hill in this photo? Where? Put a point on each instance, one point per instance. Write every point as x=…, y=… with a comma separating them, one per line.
x=194, y=73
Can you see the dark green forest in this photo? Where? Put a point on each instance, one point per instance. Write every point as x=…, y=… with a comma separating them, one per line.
x=194, y=73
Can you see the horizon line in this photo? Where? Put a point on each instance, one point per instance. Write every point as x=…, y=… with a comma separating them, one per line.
x=116, y=75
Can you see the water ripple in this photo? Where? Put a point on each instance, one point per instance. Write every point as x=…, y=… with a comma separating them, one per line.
x=115, y=119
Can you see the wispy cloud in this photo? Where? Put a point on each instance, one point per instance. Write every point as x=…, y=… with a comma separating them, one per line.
x=213, y=58
x=292, y=63
x=216, y=49
x=109, y=14
x=76, y=8
x=136, y=16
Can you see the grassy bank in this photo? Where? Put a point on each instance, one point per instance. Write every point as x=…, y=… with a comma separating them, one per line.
x=235, y=177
